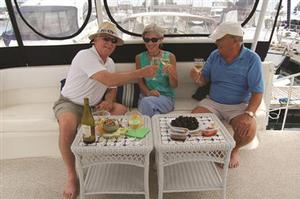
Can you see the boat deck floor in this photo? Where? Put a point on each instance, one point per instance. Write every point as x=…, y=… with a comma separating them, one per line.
x=270, y=171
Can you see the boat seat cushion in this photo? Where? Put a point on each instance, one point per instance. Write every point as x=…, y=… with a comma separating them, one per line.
x=33, y=117
x=27, y=95
x=128, y=95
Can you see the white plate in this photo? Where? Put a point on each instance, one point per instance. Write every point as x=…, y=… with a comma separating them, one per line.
x=181, y=129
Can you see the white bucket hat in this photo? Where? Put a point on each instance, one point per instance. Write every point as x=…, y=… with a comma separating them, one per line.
x=108, y=28
x=227, y=28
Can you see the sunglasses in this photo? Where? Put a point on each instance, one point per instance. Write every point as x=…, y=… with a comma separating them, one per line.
x=154, y=40
x=110, y=39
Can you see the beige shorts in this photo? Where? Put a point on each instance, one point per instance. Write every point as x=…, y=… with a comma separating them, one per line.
x=63, y=105
x=224, y=111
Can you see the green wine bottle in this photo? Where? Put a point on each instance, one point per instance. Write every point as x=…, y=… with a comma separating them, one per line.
x=87, y=124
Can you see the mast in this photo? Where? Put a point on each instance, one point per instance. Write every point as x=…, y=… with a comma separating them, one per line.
x=288, y=17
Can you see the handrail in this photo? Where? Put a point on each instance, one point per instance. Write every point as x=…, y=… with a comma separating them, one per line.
x=289, y=76
x=288, y=103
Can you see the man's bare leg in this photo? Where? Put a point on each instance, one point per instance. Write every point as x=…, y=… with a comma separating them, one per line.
x=240, y=141
x=200, y=109
x=68, y=128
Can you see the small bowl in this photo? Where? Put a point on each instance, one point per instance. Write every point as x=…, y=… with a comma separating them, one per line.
x=110, y=125
x=178, y=136
x=208, y=132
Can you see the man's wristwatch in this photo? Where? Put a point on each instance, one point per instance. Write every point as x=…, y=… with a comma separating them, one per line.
x=250, y=113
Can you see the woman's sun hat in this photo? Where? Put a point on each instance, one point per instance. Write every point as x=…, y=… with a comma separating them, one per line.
x=108, y=28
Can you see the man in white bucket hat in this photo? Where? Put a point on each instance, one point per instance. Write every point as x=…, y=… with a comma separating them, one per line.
x=92, y=74
x=236, y=85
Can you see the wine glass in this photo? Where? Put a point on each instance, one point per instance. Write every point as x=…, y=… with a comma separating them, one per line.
x=166, y=62
x=198, y=64
x=155, y=61
x=135, y=119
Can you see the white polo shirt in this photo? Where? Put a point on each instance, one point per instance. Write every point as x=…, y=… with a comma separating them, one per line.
x=78, y=82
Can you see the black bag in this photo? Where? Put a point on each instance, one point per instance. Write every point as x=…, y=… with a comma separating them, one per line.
x=201, y=92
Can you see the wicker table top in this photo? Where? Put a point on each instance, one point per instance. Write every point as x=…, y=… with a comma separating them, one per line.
x=119, y=145
x=222, y=140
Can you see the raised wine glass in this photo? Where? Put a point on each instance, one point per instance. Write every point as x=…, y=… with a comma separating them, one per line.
x=155, y=61
x=166, y=62
x=198, y=64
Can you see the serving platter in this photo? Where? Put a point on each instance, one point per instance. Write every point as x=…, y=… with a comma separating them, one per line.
x=182, y=129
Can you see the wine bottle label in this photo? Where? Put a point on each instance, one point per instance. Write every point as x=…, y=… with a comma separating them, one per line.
x=86, y=130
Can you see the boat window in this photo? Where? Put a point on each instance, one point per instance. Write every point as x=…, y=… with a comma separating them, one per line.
x=53, y=19
x=5, y=25
x=52, y=22
x=177, y=17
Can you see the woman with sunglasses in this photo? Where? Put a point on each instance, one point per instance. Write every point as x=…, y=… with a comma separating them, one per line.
x=158, y=93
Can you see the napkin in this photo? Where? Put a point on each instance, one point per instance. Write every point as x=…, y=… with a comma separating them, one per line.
x=138, y=133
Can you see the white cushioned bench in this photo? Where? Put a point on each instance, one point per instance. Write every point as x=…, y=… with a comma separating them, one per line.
x=28, y=127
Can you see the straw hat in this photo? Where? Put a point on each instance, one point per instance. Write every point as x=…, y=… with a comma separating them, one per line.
x=107, y=28
x=230, y=28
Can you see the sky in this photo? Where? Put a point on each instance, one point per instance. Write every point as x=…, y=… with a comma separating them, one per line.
x=2, y=3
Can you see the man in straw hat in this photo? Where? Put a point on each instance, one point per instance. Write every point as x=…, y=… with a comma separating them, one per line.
x=236, y=89
x=92, y=74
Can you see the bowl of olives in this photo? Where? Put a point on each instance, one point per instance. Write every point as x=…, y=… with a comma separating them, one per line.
x=184, y=124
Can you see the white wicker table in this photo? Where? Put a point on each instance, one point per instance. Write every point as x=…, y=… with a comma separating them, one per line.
x=114, y=166
x=190, y=165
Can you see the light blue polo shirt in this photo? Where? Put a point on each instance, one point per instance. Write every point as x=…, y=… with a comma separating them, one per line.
x=233, y=83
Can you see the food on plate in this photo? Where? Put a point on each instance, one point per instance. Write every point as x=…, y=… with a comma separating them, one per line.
x=188, y=122
x=99, y=127
x=110, y=125
x=122, y=131
x=111, y=135
x=209, y=131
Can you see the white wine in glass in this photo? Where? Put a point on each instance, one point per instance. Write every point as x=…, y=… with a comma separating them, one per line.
x=198, y=63
x=155, y=61
x=166, y=62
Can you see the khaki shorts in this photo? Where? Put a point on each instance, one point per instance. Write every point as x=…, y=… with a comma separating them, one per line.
x=225, y=112
x=63, y=105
